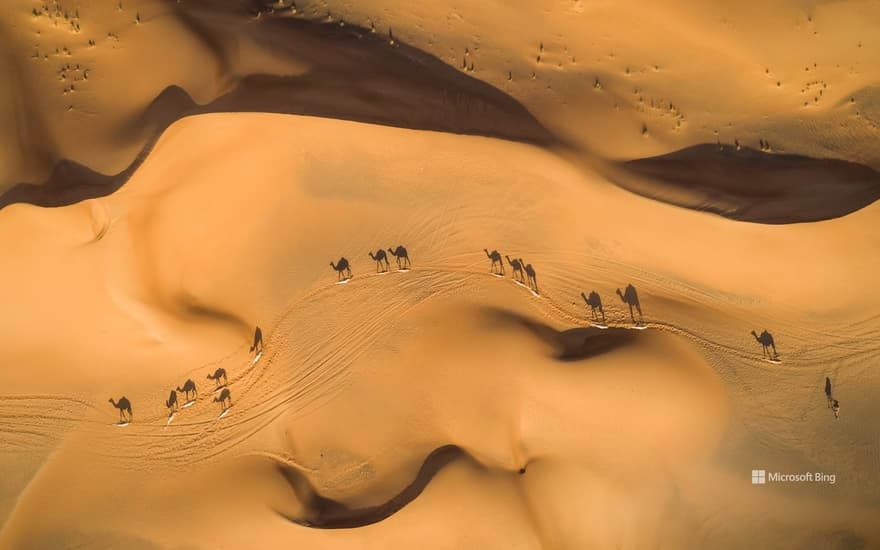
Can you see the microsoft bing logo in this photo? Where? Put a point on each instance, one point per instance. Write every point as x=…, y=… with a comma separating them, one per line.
x=759, y=477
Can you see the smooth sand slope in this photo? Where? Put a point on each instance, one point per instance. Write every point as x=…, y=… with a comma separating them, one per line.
x=442, y=407
x=627, y=438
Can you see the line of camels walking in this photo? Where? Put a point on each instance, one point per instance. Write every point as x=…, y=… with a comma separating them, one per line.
x=190, y=391
x=522, y=273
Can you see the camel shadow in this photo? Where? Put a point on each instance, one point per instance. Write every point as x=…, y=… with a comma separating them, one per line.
x=258, y=341
x=595, y=303
x=189, y=387
x=828, y=391
x=495, y=256
x=532, y=281
x=402, y=257
x=381, y=260
x=631, y=298
x=341, y=267
x=517, y=267
x=124, y=406
x=225, y=400
x=218, y=374
x=171, y=402
x=768, y=345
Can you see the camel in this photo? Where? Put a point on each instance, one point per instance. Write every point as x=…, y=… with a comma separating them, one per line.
x=517, y=268
x=828, y=391
x=340, y=266
x=530, y=274
x=171, y=402
x=401, y=253
x=379, y=257
x=496, y=259
x=631, y=298
x=223, y=398
x=258, y=340
x=124, y=406
x=595, y=303
x=218, y=374
x=766, y=341
x=189, y=386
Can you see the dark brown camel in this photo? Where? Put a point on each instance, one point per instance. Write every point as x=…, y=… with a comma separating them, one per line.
x=496, y=259
x=631, y=298
x=595, y=303
x=767, y=343
x=401, y=254
x=171, y=402
x=517, y=268
x=124, y=406
x=218, y=374
x=258, y=341
x=380, y=257
x=223, y=398
x=530, y=275
x=340, y=267
x=189, y=387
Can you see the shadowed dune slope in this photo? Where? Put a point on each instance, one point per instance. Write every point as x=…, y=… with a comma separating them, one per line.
x=753, y=186
x=352, y=74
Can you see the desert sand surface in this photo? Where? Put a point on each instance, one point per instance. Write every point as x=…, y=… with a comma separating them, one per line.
x=175, y=174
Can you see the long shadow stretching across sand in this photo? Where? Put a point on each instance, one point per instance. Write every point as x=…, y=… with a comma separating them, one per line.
x=325, y=513
x=751, y=185
x=353, y=75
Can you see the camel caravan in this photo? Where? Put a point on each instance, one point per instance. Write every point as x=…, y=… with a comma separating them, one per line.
x=190, y=392
x=383, y=265
x=522, y=273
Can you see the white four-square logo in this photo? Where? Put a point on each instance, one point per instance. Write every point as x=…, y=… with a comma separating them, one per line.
x=759, y=477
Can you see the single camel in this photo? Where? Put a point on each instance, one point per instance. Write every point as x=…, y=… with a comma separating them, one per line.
x=530, y=274
x=631, y=298
x=517, y=268
x=218, y=374
x=380, y=257
x=223, y=398
x=401, y=254
x=828, y=391
x=767, y=343
x=258, y=341
x=124, y=406
x=496, y=259
x=595, y=303
x=340, y=267
x=189, y=386
x=171, y=402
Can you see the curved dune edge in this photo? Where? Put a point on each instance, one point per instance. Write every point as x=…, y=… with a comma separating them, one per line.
x=398, y=86
x=570, y=345
x=325, y=513
x=748, y=185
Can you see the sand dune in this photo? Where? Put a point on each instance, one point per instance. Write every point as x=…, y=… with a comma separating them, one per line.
x=752, y=185
x=445, y=406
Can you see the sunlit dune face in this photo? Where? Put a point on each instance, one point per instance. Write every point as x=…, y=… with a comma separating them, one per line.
x=182, y=180
x=621, y=425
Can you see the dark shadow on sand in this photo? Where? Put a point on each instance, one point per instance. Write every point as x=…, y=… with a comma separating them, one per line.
x=324, y=513
x=752, y=185
x=353, y=75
